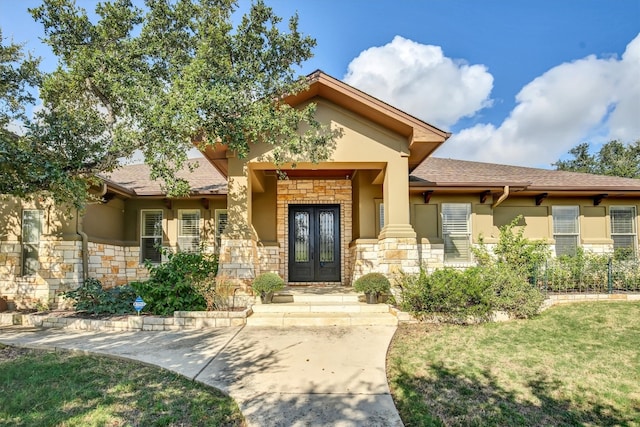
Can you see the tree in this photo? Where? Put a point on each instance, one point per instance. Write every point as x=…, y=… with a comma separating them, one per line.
x=614, y=158
x=160, y=77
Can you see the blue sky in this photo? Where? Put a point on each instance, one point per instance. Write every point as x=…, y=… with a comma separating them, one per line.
x=517, y=82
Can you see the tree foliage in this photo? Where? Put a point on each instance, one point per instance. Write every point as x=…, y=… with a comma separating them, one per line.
x=158, y=77
x=614, y=158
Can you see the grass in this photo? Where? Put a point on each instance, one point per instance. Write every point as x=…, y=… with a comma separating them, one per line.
x=572, y=365
x=40, y=388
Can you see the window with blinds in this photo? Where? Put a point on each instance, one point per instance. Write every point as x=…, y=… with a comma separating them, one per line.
x=189, y=230
x=31, y=230
x=151, y=236
x=623, y=229
x=565, y=229
x=221, y=224
x=456, y=232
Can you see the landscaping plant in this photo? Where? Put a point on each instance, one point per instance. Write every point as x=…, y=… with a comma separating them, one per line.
x=503, y=280
x=267, y=283
x=92, y=298
x=372, y=283
x=171, y=284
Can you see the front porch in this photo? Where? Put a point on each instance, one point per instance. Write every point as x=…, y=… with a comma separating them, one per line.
x=321, y=306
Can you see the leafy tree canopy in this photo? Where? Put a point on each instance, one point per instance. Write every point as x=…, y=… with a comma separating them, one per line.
x=614, y=158
x=157, y=78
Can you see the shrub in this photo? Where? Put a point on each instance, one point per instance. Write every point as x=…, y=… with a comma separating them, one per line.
x=267, y=282
x=93, y=299
x=171, y=284
x=372, y=283
x=513, y=293
x=216, y=291
x=449, y=295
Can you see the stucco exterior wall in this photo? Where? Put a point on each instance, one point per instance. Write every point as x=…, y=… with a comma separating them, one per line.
x=105, y=221
x=485, y=221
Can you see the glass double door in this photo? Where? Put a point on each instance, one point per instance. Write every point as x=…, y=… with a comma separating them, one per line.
x=314, y=243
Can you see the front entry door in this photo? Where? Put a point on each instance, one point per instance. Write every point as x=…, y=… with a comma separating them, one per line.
x=314, y=243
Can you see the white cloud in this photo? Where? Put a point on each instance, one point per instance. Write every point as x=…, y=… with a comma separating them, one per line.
x=420, y=80
x=591, y=99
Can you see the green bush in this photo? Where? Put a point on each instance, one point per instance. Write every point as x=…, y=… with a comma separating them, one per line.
x=512, y=292
x=267, y=282
x=448, y=294
x=372, y=283
x=90, y=297
x=171, y=284
x=504, y=280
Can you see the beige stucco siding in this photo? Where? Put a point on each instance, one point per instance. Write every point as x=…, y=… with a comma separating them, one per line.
x=57, y=222
x=361, y=139
x=264, y=210
x=105, y=221
x=365, y=195
x=594, y=221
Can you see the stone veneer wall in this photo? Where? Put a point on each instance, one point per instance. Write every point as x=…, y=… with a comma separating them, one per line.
x=60, y=270
x=269, y=258
x=238, y=260
x=115, y=265
x=316, y=192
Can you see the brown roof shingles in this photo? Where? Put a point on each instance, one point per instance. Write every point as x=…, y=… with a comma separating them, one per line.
x=432, y=172
x=204, y=180
x=435, y=171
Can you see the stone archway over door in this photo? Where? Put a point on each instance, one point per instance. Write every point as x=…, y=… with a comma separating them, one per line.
x=314, y=243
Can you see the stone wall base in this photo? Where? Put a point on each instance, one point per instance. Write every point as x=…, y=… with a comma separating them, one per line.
x=181, y=320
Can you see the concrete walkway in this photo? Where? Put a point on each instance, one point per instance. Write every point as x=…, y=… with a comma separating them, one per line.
x=298, y=376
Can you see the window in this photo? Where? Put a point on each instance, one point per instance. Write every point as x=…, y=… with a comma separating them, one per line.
x=151, y=236
x=456, y=232
x=379, y=215
x=623, y=228
x=31, y=230
x=189, y=230
x=565, y=229
x=221, y=224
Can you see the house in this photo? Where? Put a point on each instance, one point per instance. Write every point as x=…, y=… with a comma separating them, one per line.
x=381, y=203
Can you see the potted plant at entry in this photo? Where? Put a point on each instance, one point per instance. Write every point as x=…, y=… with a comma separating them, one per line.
x=373, y=285
x=266, y=284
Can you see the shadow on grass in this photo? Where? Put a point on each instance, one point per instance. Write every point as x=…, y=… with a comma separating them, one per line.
x=452, y=398
x=65, y=388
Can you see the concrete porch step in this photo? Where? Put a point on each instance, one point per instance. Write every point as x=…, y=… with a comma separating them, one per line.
x=320, y=307
x=313, y=295
x=321, y=319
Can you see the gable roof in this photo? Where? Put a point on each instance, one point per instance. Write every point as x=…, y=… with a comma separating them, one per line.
x=449, y=174
x=135, y=180
x=423, y=138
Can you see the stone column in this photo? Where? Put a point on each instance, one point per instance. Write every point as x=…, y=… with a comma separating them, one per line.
x=397, y=245
x=238, y=248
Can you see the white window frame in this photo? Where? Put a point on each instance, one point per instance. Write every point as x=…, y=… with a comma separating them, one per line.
x=188, y=238
x=156, y=236
x=453, y=232
x=632, y=232
x=561, y=231
x=30, y=242
x=220, y=226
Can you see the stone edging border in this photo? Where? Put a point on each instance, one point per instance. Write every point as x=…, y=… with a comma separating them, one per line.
x=192, y=320
x=180, y=320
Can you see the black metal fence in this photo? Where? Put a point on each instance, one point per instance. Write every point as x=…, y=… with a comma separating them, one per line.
x=598, y=274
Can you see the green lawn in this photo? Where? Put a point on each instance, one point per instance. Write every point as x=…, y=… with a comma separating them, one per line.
x=65, y=389
x=573, y=365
